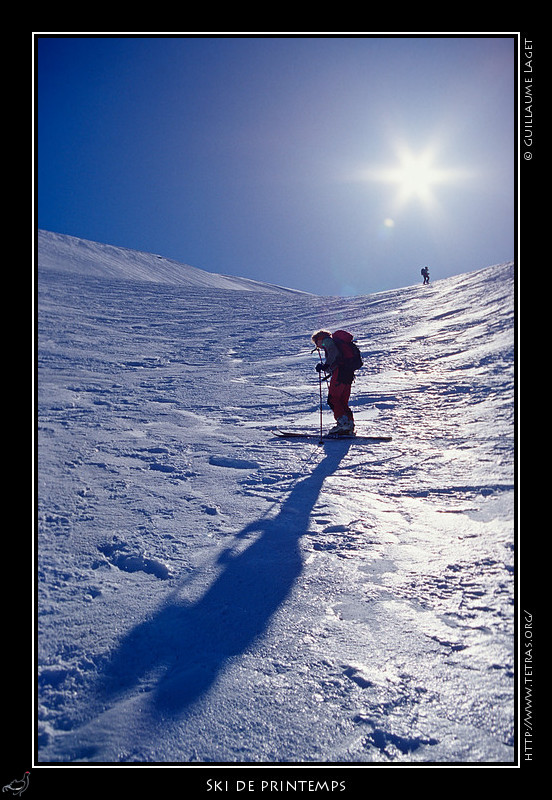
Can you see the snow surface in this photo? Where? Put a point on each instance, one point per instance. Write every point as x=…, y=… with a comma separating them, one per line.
x=209, y=593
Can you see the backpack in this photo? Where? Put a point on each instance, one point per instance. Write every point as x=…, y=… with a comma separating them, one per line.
x=348, y=349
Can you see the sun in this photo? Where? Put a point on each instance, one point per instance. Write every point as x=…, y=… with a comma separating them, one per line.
x=416, y=176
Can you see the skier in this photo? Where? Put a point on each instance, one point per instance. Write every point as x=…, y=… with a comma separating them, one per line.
x=340, y=382
x=425, y=273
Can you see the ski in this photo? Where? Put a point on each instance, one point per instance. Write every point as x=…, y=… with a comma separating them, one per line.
x=354, y=437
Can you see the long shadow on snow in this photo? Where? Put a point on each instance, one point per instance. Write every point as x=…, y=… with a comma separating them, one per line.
x=190, y=644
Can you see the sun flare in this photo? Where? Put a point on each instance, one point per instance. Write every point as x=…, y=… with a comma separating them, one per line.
x=415, y=175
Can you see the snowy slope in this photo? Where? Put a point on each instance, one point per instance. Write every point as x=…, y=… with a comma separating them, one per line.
x=76, y=256
x=210, y=593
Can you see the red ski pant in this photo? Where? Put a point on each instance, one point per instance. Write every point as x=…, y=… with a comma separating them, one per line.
x=338, y=397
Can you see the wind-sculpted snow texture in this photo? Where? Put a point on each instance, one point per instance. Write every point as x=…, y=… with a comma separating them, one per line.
x=210, y=593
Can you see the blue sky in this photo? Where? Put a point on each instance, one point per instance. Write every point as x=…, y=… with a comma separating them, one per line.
x=338, y=165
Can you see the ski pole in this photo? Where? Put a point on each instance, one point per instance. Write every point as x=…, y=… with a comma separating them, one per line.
x=320, y=387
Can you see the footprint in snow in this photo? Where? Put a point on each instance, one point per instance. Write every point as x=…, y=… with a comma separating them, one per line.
x=232, y=463
x=119, y=556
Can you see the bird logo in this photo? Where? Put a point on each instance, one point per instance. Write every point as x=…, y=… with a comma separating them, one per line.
x=17, y=787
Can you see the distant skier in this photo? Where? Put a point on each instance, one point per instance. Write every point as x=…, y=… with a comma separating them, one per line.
x=425, y=273
x=342, y=367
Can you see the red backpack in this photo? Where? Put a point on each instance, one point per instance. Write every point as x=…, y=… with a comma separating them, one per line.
x=348, y=349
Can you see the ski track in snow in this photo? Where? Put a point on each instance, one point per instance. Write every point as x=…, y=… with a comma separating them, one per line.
x=210, y=593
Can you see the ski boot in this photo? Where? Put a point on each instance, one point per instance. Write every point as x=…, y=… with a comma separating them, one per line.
x=345, y=427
